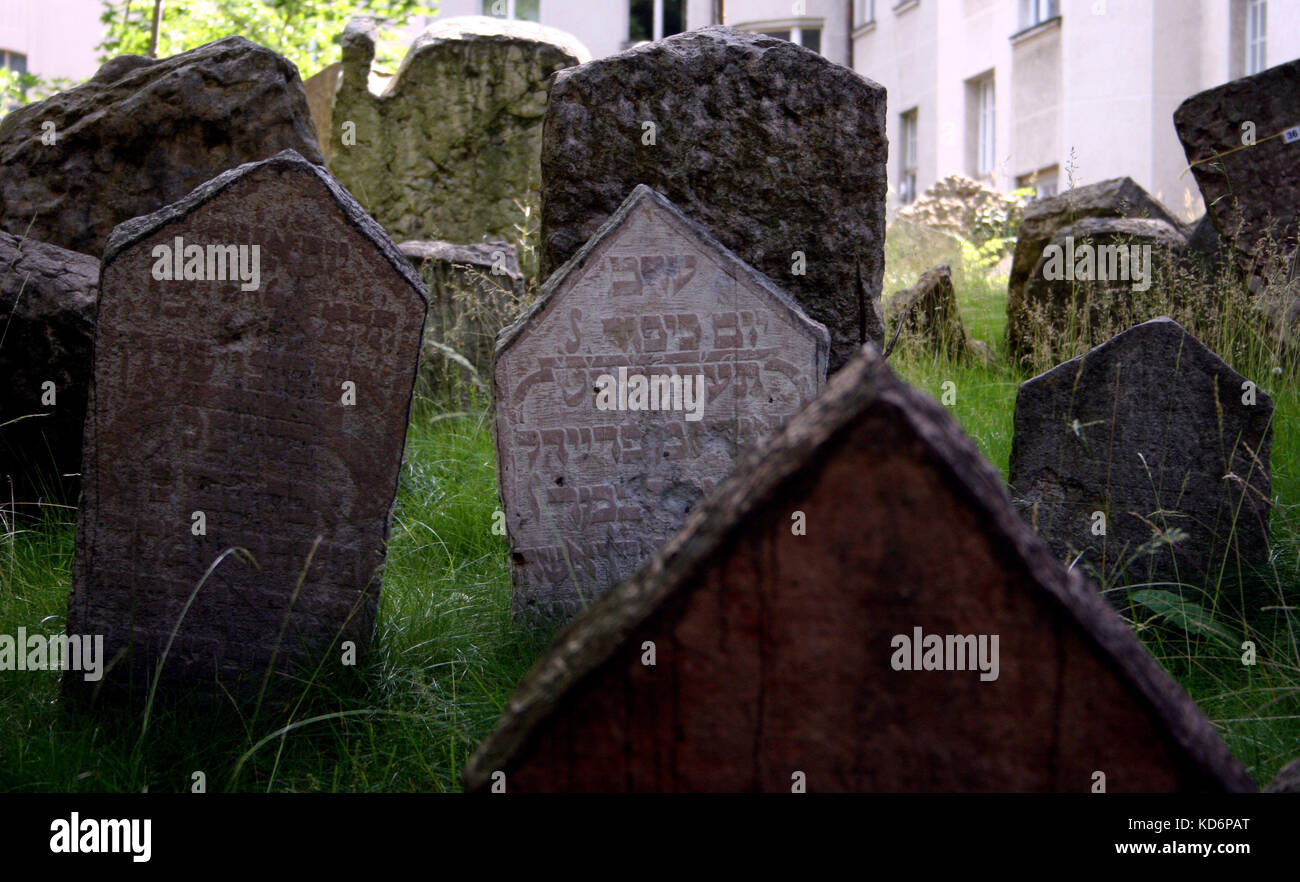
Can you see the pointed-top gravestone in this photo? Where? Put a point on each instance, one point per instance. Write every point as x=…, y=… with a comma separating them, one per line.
x=1149, y=435
x=650, y=361
x=777, y=151
x=858, y=608
x=255, y=352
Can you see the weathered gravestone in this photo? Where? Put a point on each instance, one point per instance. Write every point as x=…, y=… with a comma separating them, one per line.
x=1242, y=141
x=255, y=352
x=778, y=152
x=450, y=149
x=649, y=362
x=47, y=333
x=474, y=292
x=143, y=133
x=1149, y=435
x=1114, y=198
x=787, y=636
x=1099, y=276
x=927, y=316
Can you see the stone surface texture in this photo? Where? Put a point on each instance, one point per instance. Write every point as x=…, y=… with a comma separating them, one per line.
x=1153, y=430
x=1251, y=192
x=450, y=149
x=143, y=133
x=590, y=492
x=774, y=650
x=229, y=402
x=768, y=145
x=47, y=335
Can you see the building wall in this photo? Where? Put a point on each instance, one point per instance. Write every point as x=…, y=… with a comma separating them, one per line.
x=1091, y=93
x=57, y=36
x=832, y=16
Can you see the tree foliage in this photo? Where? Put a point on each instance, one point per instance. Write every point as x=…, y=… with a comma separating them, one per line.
x=304, y=31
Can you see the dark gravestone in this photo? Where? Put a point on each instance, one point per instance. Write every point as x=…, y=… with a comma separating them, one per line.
x=774, y=149
x=1148, y=433
x=647, y=365
x=1242, y=140
x=928, y=317
x=1098, y=277
x=47, y=333
x=143, y=133
x=220, y=418
x=474, y=292
x=1114, y=198
x=778, y=618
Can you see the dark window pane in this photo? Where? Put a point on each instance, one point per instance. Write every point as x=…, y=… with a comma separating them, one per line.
x=674, y=22
x=780, y=35
x=640, y=20
x=811, y=38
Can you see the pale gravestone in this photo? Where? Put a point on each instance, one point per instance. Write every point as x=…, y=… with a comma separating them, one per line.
x=1147, y=434
x=651, y=313
x=255, y=352
x=777, y=151
x=786, y=639
x=450, y=149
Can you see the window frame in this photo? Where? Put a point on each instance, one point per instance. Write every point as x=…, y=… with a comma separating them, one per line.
x=909, y=124
x=1256, y=36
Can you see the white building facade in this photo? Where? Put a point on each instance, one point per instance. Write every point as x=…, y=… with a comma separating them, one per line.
x=1039, y=92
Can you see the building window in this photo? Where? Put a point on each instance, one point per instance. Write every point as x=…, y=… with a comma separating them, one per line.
x=865, y=11
x=1256, y=28
x=907, y=157
x=1034, y=12
x=809, y=38
x=654, y=19
x=1042, y=181
x=14, y=61
x=527, y=10
x=985, y=137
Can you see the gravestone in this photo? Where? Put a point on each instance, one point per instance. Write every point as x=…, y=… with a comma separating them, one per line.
x=1114, y=198
x=773, y=643
x=320, y=89
x=47, y=334
x=261, y=406
x=928, y=317
x=1148, y=433
x=142, y=133
x=1099, y=276
x=648, y=363
x=1242, y=141
x=777, y=151
x=474, y=292
x=450, y=149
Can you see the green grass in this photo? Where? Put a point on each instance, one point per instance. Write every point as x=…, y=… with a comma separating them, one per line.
x=446, y=656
